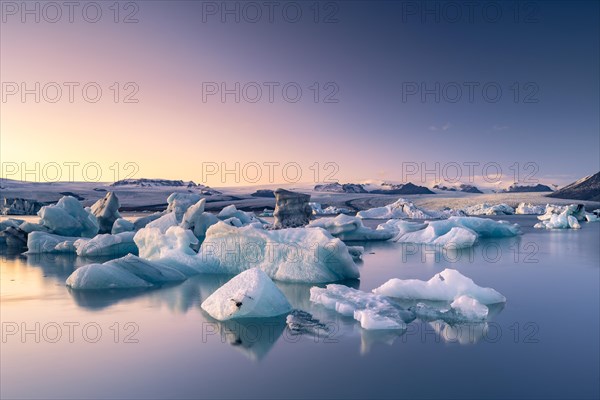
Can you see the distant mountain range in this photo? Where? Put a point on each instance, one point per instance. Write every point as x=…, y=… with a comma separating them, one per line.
x=384, y=188
x=524, y=188
x=144, y=182
x=587, y=188
x=462, y=188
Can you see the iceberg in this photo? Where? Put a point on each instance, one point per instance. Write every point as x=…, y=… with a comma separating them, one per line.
x=565, y=217
x=350, y=228
x=371, y=310
x=401, y=208
x=292, y=255
x=447, y=285
x=291, y=209
x=455, y=232
x=164, y=222
x=128, y=272
x=530, y=209
x=122, y=225
x=487, y=209
x=106, y=211
x=107, y=245
x=251, y=294
x=69, y=218
x=44, y=242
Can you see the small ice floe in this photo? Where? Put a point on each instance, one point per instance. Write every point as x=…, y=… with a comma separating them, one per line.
x=44, y=242
x=251, y=294
x=371, y=310
x=350, y=228
x=448, y=296
x=128, y=272
x=447, y=285
x=565, y=217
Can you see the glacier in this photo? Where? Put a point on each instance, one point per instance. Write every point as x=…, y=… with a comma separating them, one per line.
x=250, y=294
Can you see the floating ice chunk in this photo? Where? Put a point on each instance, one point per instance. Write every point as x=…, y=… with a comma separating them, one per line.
x=15, y=223
x=106, y=211
x=122, y=225
x=69, y=218
x=456, y=232
x=44, y=242
x=346, y=227
x=447, y=285
x=251, y=294
x=590, y=217
x=233, y=221
x=267, y=212
x=487, y=209
x=107, y=245
x=557, y=217
x=371, y=310
x=124, y=273
x=196, y=219
x=399, y=209
x=530, y=209
x=104, y=276
x=178, y=203
x=401, y=227
x=469, y=308
x=372, y=320
x=294, y=255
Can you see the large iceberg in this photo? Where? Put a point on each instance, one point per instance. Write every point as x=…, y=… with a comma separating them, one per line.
x=487, y=209
x=401, y=208
x=294, y=254
x=69, y=218
x=106, y=211
x=251, y=294
x=107, y=245
x=447, y=285
x=350, y=228
x=128, y=272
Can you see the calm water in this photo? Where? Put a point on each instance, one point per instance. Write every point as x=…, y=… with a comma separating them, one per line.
x=159, y=343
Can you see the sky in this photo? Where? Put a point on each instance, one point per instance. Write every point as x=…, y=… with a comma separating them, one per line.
x=240, y=93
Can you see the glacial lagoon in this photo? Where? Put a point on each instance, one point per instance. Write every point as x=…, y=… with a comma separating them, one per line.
x=543, y=342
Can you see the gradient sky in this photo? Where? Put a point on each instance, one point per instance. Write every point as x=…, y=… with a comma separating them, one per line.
x=371, y=53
